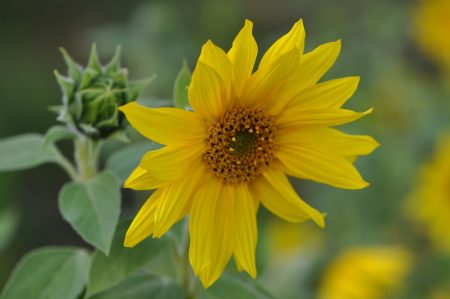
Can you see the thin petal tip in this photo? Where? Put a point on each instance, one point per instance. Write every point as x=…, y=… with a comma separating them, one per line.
x=253, y=273
x=363, y=185
x=248, y=24
x=299, y=24
x=324, y=216
x=356, y=79
x=209, y=42
x=319, y=219
x=369, y=111
x=128, y=106
x=375, y=143
x=206, y=283
x=128, y=242
x=130, y=183
x=335, y=47
x=127, y=184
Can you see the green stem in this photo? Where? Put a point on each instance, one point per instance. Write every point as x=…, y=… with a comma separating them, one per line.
x=181, y=253
x=86, y=157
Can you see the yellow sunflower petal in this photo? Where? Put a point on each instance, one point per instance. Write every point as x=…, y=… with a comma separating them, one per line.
x=294, y=39
x=143, y=224
x=238, y=265
x=210, y=230
x=315, y=64
x=165, y=125
x=207, y=92
x=327, y=95
x=171, y=162
x=297, y=119
x=245, y=229
x=218, y=60
x=330, y=140
x=243, y=55
x=141, y=179
x=277, y=195
x=177, y=202
x=264, y=83
x=319, y=166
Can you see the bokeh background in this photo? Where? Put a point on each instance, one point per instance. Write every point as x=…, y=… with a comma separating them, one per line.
x=371, y=240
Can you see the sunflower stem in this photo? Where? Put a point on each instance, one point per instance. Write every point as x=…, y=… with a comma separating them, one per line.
x=181, y=254
x=86, y=156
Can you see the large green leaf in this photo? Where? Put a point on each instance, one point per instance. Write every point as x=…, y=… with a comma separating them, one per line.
x=143, y=286
x=155, y=102
x=234, y=287
x=49, y=273
x=180, y=87
x=123, y=161
x=24, y=151
x=92, y=208
x=108, y=271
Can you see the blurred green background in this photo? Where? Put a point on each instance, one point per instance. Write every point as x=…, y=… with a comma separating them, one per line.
x=408, y=90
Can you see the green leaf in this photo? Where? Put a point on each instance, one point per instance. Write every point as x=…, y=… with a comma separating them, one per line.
x=57, y=133
x=234, y=287
x=55, y=108
x=94, y=61
x=66, y=84
x=8, y=225
x=114, y=65
x=144, y=286
x=24, y=151
x=180, y=87
x=87, y=77
x=120, y=135
x=92, y=208
x=123, y=161
x=155, y=102
x=136, y=87
x=49, y=273
x=108, y=271
x=74, y=68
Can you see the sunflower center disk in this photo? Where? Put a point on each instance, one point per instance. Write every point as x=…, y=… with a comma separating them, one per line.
x=240, y=145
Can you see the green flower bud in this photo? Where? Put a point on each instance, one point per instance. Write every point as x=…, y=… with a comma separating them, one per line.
x=92, y=95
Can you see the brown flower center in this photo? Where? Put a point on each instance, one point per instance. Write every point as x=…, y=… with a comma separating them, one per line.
x=240, y=145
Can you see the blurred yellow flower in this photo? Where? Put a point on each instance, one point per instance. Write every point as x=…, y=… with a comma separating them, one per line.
x=288, y=238
x=246, y=132
x=432, y=29
x=365, y=273
x=429, y=204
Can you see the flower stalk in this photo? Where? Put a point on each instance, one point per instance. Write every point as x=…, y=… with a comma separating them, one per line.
x=86, y=157
x=180, y=250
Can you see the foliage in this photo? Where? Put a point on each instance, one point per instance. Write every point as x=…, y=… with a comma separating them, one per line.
x=91, y=201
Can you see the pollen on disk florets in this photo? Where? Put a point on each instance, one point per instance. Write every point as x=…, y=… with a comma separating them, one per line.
x=240, y=145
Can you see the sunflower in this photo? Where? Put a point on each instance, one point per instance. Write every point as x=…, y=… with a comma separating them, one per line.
x=247, y=132
x=365, y=273
x=429, y=203
x=431, y=22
